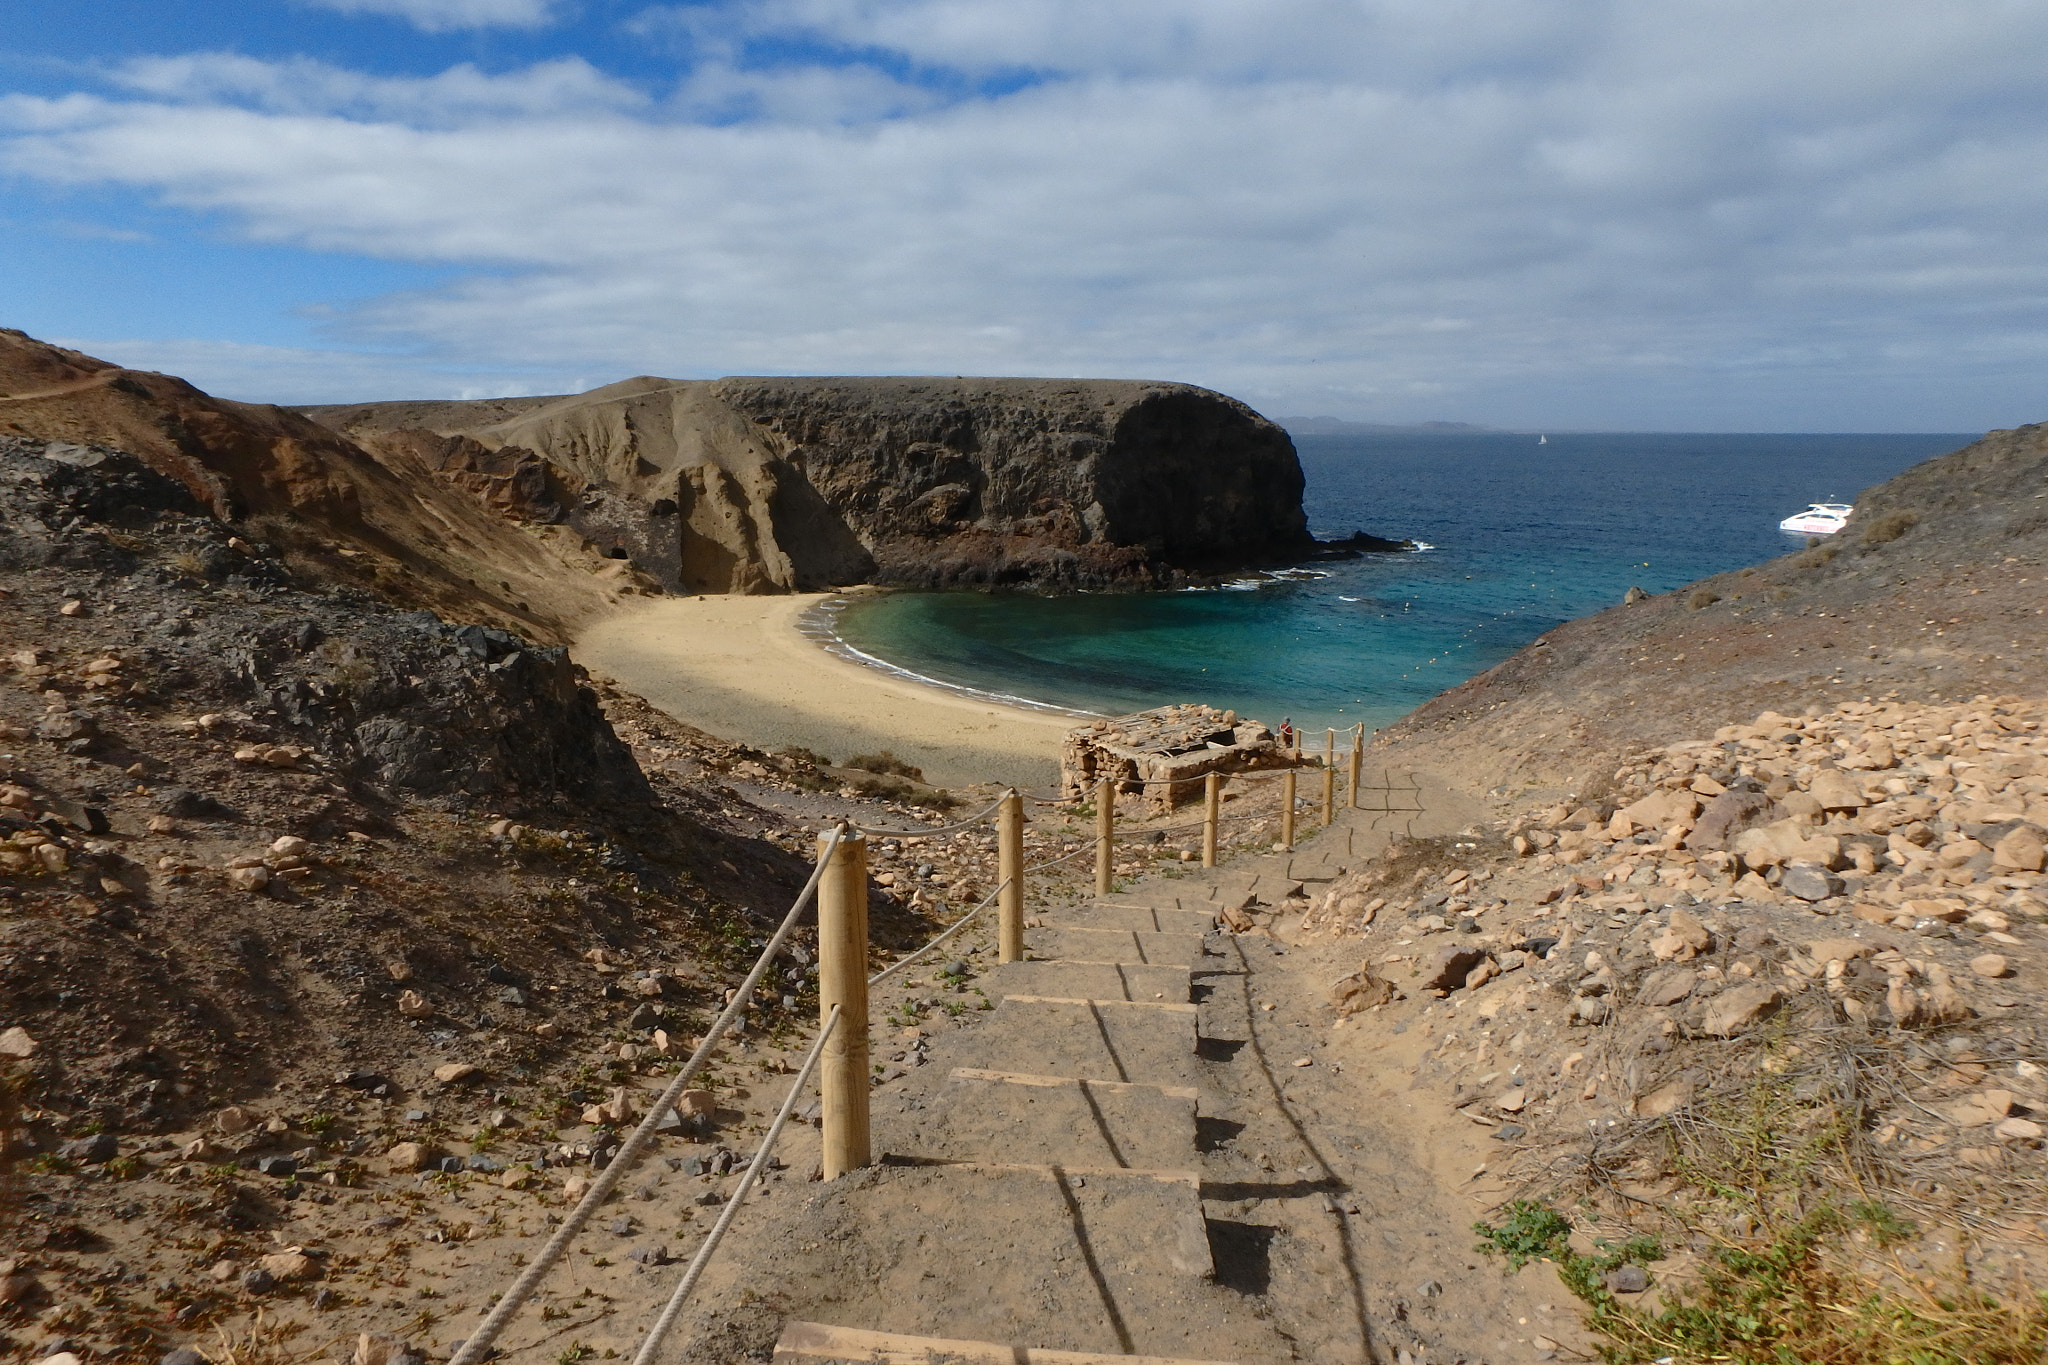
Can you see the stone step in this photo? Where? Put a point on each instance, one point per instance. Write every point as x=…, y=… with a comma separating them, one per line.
x=823, y=1344
x=1091, y=980
x=1001, y=1116
x=1158, y=919
x=1090, y=1040
x=1110, y=1261
x=1115, y=945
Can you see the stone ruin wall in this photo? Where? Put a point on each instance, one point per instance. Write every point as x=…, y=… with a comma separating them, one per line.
x=1163, y=754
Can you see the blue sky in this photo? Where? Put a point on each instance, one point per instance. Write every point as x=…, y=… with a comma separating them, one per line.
x=1740, y=215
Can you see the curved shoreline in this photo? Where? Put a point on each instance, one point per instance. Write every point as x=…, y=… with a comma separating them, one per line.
x=817, y=624
x=746, y=670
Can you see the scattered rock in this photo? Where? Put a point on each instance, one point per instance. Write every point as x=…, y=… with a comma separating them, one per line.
x=1986, y=1106
x=1665, y=1099
x=290, y=1267
x=1992, y=965
x=97, y=1148
x=1739, y=1008
x=15, y=1042
x=1628, y=1279
x=455, y=1073
x=248, y=878
x=407, y=1157
x=2023, y=850
x=1809, y=882
x=1362, y=990
x=413, y=1005
x=1667, y=987
x=1448, y=966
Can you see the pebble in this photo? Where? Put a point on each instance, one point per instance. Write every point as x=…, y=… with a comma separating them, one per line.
x=1991, y=965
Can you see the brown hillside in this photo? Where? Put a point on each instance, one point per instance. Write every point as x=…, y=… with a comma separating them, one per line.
x=382, y=519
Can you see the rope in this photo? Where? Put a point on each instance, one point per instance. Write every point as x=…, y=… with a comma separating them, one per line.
x=940, y=829
x=1067, y=857
x=479, y=1341
x=674, y=1307
x=955, y=927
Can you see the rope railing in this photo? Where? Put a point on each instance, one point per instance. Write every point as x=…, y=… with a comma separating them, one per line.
x=969, y=822
x=478, y=1344
x=709, y=1246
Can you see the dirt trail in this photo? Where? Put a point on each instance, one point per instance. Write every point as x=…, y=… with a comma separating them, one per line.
x=1154, y=1145
x=98, y=381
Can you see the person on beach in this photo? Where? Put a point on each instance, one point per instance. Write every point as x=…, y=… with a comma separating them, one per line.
x=1287, y=732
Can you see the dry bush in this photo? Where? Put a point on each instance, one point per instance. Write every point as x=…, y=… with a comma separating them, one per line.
x=1890, y=527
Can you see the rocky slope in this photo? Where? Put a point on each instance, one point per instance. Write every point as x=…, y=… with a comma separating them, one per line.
x=769, y=485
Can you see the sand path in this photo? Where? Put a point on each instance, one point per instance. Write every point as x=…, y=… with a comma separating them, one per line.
x=738, y=668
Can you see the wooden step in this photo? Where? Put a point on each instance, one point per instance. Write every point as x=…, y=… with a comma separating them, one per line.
x=1092, y=1040
x=823, y=1344
x=1109, y=1261
x=1145, y=918
x=1115, y=945
x=1001, y=1116
x=1091, y=980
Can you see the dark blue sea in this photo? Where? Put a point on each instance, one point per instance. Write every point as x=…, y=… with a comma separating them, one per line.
x=1522, y=537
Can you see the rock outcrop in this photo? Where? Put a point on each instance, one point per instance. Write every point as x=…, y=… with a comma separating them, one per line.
x=319, y=680
x=773, y=485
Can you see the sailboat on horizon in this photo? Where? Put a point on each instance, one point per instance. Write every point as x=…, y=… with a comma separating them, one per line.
x=1542, y=440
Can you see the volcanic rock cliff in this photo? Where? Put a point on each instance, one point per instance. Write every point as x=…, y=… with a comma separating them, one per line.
x=771, y=485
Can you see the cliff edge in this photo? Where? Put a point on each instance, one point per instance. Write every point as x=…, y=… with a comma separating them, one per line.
x=761, y=485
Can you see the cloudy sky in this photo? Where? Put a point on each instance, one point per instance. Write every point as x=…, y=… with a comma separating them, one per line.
x=1825, y=215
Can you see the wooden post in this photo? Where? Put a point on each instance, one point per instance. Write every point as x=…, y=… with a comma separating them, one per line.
x=1010, y=873
x=1212, y=810
x=843, y=981
x=1287, y=811
x=1330, y=761
x=1329, y=795
x=1105, y=833
x=1357, y=764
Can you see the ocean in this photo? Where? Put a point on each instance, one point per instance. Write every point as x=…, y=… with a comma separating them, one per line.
x=1521, y=537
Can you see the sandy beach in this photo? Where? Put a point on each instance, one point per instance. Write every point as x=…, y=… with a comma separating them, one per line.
x=739, y=668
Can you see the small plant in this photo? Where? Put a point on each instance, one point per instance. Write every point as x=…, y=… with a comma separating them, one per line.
x=319, y=1125
x=577, y=1351
x=1890, y=527
x=1532, y=1231
x=187, y=563
x=1702, y=598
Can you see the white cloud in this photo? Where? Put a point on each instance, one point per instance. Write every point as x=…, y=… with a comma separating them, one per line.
x=302, y=86
x=444, y=16
x=1697, y=214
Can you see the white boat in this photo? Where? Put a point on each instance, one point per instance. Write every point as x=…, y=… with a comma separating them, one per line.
x=1821, y=519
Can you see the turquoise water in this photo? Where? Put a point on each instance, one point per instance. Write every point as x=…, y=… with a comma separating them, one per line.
x=1524, y=537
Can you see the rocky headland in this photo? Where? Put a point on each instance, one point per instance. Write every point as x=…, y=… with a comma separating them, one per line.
x=775, y=485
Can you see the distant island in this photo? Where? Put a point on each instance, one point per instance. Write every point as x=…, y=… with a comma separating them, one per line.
x=1337, y=426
